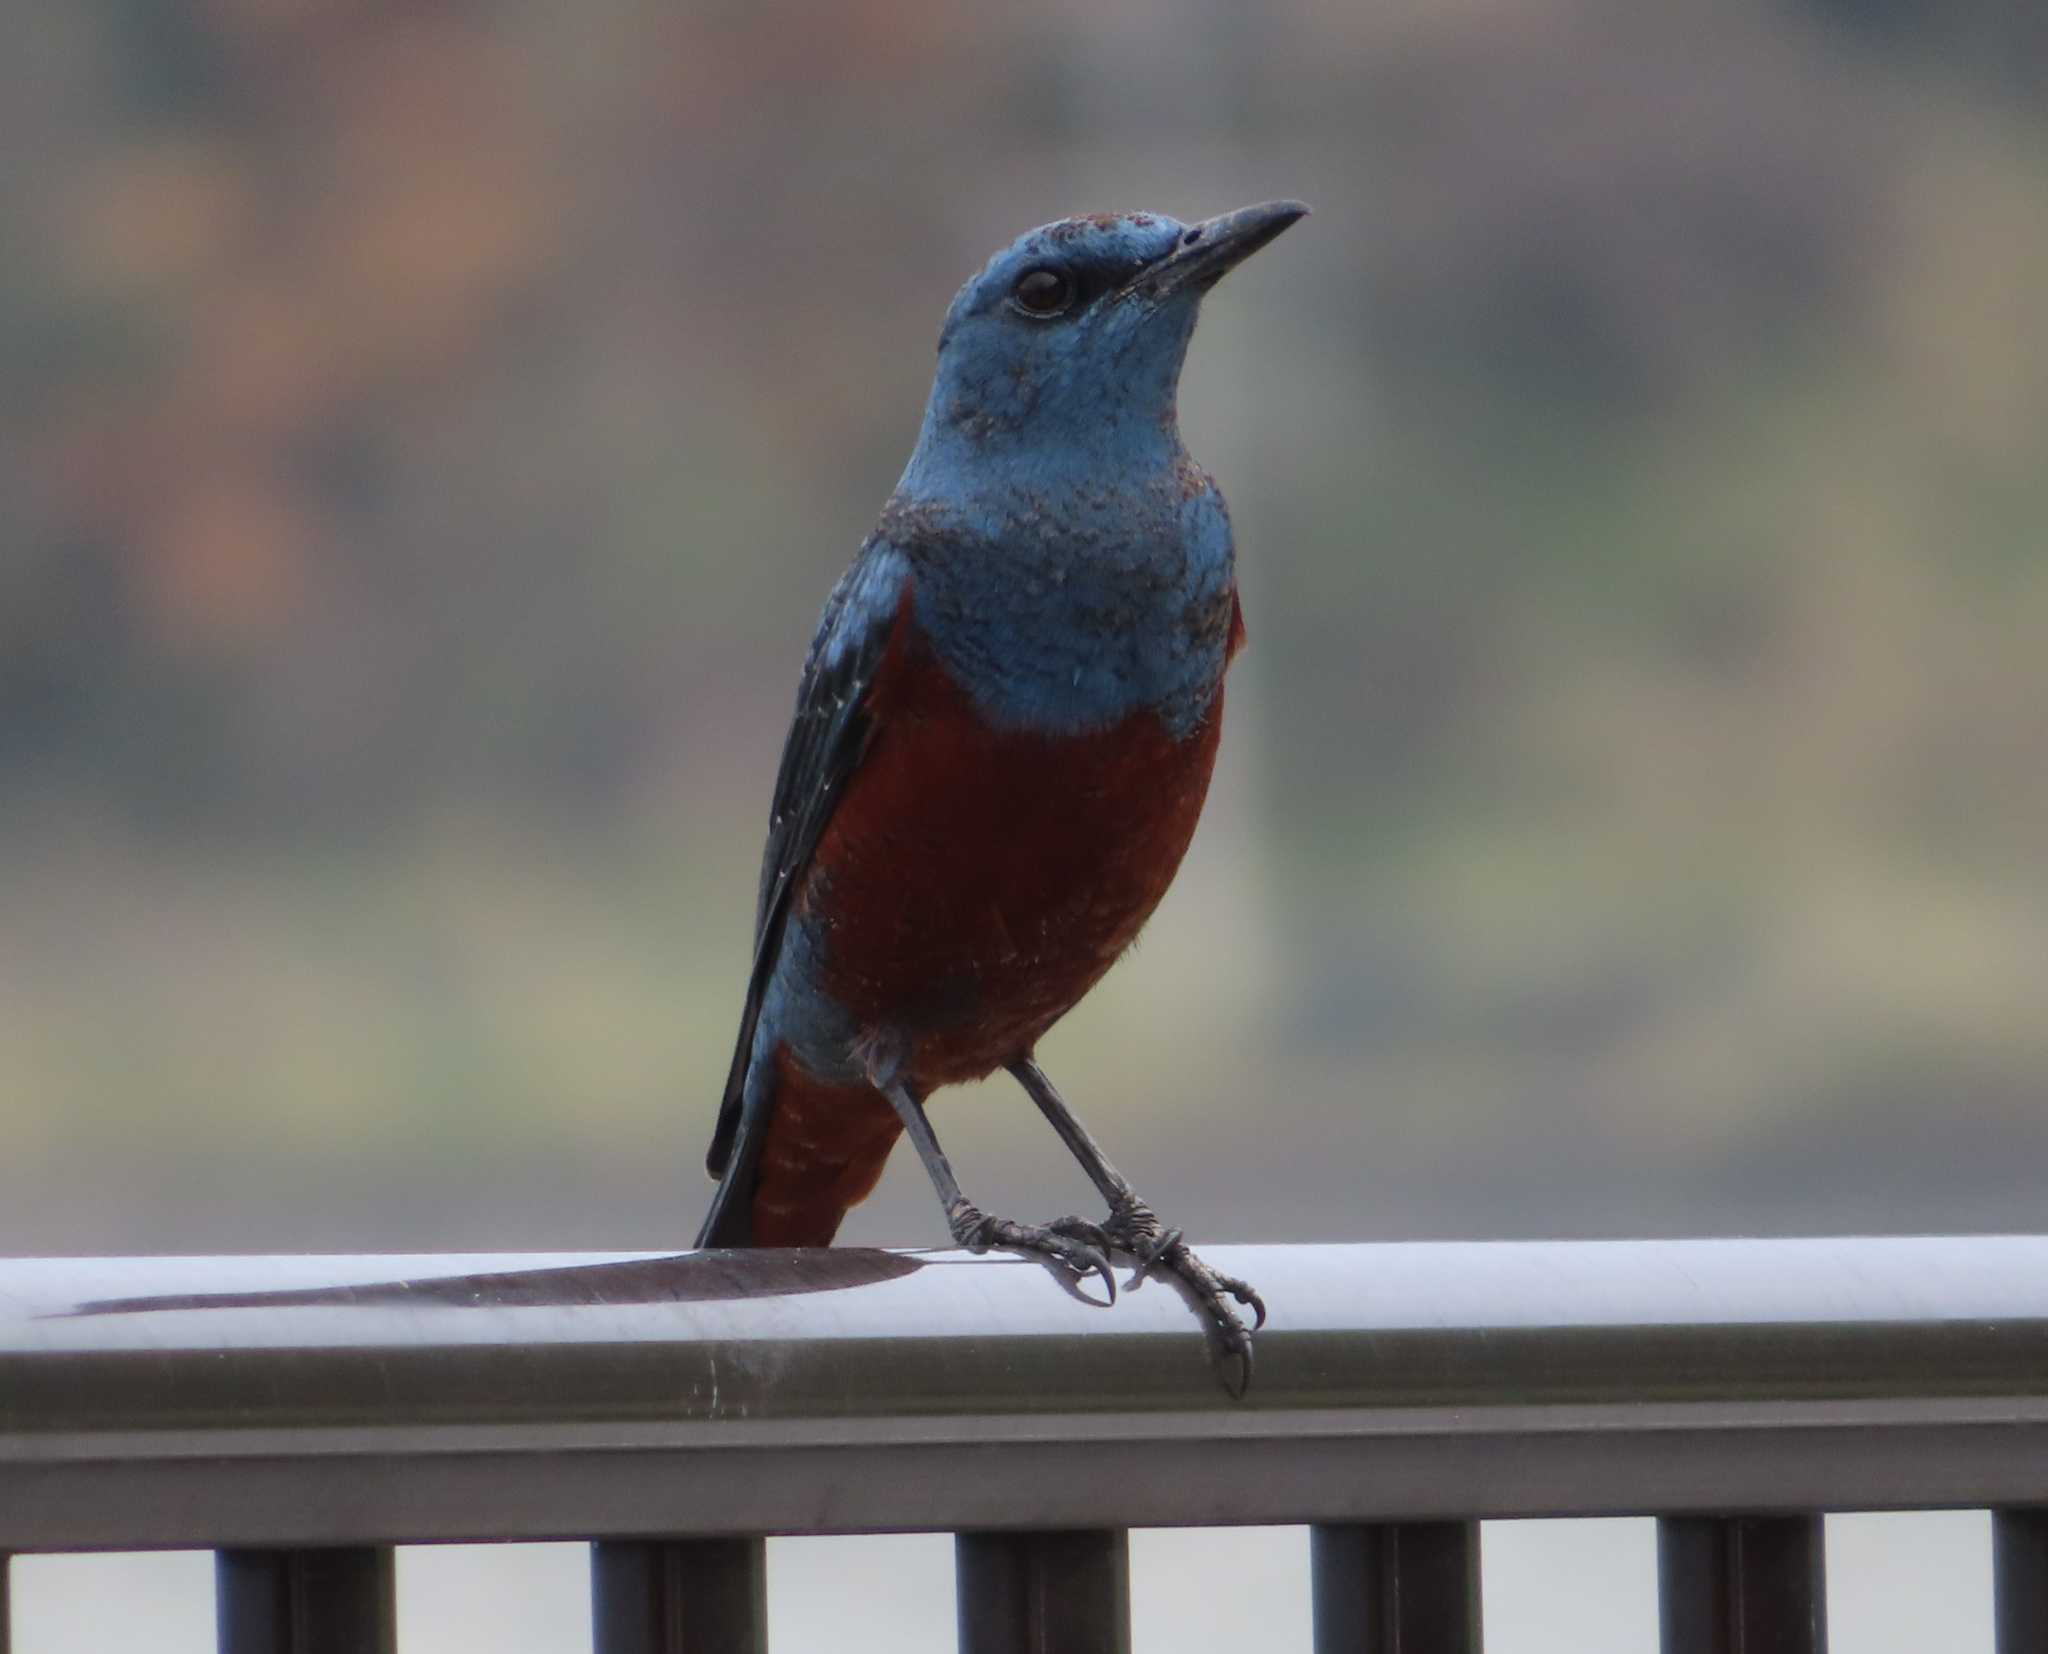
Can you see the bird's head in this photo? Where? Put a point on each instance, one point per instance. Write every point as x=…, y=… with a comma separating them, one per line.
x=1069, y=342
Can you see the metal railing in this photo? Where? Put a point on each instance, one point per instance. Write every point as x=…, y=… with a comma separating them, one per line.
x=302, y=1415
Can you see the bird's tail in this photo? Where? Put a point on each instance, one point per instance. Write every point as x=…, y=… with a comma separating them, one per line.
x=803, y=1155
x=730, y=1222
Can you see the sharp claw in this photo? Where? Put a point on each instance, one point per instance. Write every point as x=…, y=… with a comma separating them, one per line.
x=1082, y=1249
x=1086, y=1251
x=1072, y=1243
x=1092, y=1235
x=1243, y=1356
x=1085, y=1260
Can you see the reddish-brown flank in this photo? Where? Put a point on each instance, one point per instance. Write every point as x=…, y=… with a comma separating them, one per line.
x=824, y=1153
x=975, y=885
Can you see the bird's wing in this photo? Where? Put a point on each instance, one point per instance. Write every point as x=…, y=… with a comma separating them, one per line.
x=826, y=741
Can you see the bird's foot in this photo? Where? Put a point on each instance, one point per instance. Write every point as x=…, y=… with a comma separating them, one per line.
x=1079, y=1247
x=1135, y=1228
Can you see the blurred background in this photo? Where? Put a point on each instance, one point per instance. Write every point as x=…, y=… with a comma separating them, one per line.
x=430, y=430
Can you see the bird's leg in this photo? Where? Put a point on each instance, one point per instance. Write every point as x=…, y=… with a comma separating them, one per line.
x=1078, y=1246
x=1135, y=1228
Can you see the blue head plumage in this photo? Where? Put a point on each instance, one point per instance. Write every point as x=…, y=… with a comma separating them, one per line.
x=1066, y=347
x=1072, y=562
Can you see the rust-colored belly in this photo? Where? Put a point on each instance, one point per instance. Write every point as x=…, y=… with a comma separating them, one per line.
x=974, y=884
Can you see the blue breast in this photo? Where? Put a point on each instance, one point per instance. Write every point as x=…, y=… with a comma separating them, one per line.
x=1063, y=609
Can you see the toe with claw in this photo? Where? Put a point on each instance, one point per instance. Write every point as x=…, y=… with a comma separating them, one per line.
x=1076, y=1245
x=1135, y=1228
x=1212, y=1289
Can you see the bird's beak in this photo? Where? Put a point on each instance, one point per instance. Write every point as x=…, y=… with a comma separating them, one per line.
x=1210, y=250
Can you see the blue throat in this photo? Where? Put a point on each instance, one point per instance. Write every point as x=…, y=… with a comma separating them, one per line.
x=1063, y=610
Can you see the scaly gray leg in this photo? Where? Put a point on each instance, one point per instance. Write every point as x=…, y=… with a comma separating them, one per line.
x=1135, y=1228
x=1078, y=1246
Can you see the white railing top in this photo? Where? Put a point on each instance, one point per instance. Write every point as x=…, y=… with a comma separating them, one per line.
x=310, y=1400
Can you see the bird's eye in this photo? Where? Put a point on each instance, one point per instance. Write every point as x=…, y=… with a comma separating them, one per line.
x=1043, y=292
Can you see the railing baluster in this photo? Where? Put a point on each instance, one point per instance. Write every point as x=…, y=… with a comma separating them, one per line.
x=2019, y=1566
x=679, y=1596
x=319, y=1601
x=1396, y=1587
x=1742, y=1584
x=6, y=1611
x=1044, y=1593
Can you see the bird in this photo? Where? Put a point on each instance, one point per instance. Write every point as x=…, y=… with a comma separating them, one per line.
x=1004, y=733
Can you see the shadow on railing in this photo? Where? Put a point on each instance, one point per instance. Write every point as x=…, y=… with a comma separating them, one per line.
x=302, y=1415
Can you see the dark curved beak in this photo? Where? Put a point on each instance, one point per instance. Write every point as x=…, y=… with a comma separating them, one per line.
x=1210, y=250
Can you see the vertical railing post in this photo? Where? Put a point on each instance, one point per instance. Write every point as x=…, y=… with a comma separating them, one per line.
x=6, y=1607
x=339, y=1600
x=1396, y=1587
x=2019, y=1570
x=1742, y=1584
x=679, y=1596
x=1044, y=1593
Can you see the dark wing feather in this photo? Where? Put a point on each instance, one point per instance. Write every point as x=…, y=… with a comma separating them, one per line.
x=826, y=740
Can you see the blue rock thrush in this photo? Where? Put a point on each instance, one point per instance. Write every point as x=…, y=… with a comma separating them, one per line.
x=1002, y=741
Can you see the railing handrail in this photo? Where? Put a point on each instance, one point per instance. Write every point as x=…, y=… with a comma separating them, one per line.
x=323, y=1400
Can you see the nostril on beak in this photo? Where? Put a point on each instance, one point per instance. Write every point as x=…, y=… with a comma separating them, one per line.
x=1192, y=236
